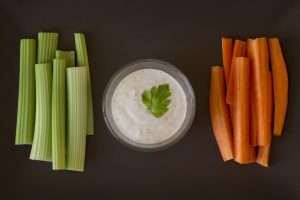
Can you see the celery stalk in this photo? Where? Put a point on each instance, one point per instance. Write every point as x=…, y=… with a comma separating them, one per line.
x=41, y=146
x=77, y=92
x=47, y=45
x=26, y=101
x=82, y=60
x=58, y=114
x=69, y=56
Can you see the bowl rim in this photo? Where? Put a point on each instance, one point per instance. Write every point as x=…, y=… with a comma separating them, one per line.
x=137, y=65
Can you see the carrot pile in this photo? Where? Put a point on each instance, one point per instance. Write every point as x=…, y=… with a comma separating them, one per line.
x=248, y=99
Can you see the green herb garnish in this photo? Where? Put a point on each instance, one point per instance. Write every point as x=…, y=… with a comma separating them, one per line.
x=156, y=100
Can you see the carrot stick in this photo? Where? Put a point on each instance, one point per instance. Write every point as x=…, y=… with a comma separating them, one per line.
x=252, y=122
x=252, y=154
x=264, y=151
x=227, y=46
x=253, y=127
x=219, y=113
x=270, y=102
x=263, y=155
x=239, y=50
x=280, y=78
x=241, y=77
x=249, y=51
x=260, y=67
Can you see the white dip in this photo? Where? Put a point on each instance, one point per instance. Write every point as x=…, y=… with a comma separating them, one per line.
x=132, y=117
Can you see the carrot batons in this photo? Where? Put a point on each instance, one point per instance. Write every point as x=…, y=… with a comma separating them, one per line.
x=260, y=67
x=241, y=76
x=263, y=156
x=264, y=151
x=256, y=98
x=239, y=50
x=253, y=127
x=280, y=82
x=219, y=113
x=227, y=46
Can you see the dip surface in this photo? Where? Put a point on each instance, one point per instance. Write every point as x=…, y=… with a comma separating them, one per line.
x=132, y=117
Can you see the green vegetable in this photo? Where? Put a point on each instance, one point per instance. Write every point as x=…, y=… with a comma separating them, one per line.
x=47, y=45
x=58, y=114
x=82, y=60
x=77, y=92
x=41, y=146
x=69, y=56
x=157, y=99
x=26, y=101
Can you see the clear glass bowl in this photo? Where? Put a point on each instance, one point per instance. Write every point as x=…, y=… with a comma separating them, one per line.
x=148, y=64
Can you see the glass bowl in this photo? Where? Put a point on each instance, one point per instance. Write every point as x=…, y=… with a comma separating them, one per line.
x=148, y=64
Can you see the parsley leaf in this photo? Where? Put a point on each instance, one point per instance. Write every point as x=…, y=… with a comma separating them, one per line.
x=157, y=99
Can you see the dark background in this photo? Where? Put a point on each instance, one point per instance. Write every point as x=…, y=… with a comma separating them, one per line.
x=184, y=33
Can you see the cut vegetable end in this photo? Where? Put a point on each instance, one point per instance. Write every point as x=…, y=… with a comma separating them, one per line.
x=47, y=45
x=82, y=60
x=219, y=113
x=26, y=99
x=77, y=95
x=263, y=156
x=41, y=146
x=58, y=114
x=280, y=84
x=69, y=56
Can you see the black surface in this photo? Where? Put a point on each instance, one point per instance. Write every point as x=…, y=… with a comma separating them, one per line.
x=184, y=33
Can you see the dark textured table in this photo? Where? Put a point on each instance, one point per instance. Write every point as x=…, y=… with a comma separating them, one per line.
x=184, y=33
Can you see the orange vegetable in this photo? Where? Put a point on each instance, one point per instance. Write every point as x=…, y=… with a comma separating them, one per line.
x=280, y=81
x=239, y=50
x=253, y=127
x=264, y=151
x=270, y=102
x=252, y=154
x=263, y=155
x=241, y=111
x=227, y=45
x=219, y=113
x=260, y=67
x=249, y=49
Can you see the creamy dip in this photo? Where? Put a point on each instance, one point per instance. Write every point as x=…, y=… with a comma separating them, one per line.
x=132, y=117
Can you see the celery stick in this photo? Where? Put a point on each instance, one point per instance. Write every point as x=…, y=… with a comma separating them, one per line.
x=82, y=60
x=41, y=146
x=26, y=101
x=69, y=56
x=58, y=114
x=47, y=45
x=77, y=115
